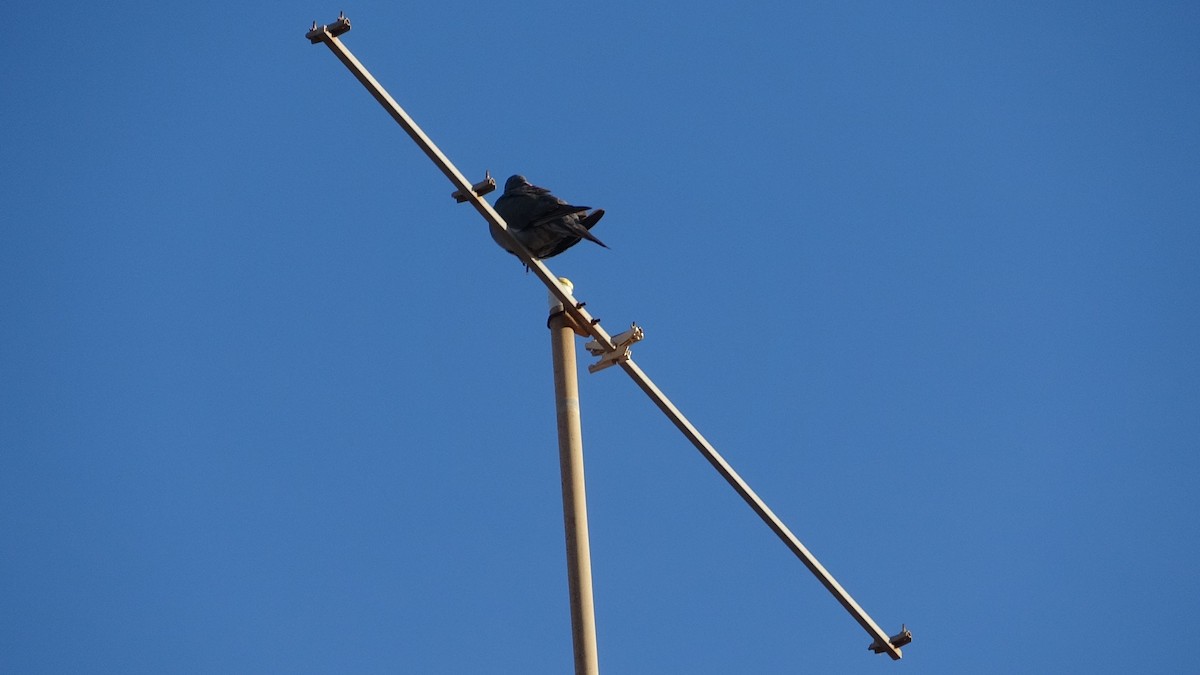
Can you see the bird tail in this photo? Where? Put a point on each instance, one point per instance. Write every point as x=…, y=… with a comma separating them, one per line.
x=588, y=222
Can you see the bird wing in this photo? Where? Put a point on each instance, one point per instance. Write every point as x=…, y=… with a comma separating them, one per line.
x=548, y=212
x=592, y=218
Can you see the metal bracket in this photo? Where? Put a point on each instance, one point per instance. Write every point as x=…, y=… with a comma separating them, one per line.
x=620, y=352
x=318, y=33
x=481, y=188
x=897, y=641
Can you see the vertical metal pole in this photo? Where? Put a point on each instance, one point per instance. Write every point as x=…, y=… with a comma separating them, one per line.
x=570, y=455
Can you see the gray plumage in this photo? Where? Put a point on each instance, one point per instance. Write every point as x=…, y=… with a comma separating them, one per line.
x=543, y=223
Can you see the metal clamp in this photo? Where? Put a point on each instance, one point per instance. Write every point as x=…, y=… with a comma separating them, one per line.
x=620, y=352
x=897, y=641
x=318, y=33
x=481, y=188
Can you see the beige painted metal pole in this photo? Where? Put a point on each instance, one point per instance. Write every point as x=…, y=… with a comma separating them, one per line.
x=574, y=493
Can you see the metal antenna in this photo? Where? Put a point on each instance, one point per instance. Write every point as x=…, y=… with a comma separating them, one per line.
x=611, y=351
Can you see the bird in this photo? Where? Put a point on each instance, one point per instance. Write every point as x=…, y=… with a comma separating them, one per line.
x=543, y=223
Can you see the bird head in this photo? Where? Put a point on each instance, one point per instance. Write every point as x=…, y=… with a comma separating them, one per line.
x=515, y=182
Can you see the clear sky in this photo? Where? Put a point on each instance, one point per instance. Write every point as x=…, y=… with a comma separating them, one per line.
x=925, y=272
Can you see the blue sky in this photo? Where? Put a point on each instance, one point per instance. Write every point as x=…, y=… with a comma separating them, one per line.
x=925, y=273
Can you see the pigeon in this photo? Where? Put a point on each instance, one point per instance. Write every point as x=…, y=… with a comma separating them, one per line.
x=545, y=224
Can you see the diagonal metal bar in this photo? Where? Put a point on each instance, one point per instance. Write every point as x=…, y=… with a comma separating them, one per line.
x=461, y=184
x=584, y=321
x=760, y=507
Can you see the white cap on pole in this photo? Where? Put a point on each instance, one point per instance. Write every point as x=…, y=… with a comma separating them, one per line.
x=556, y=305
